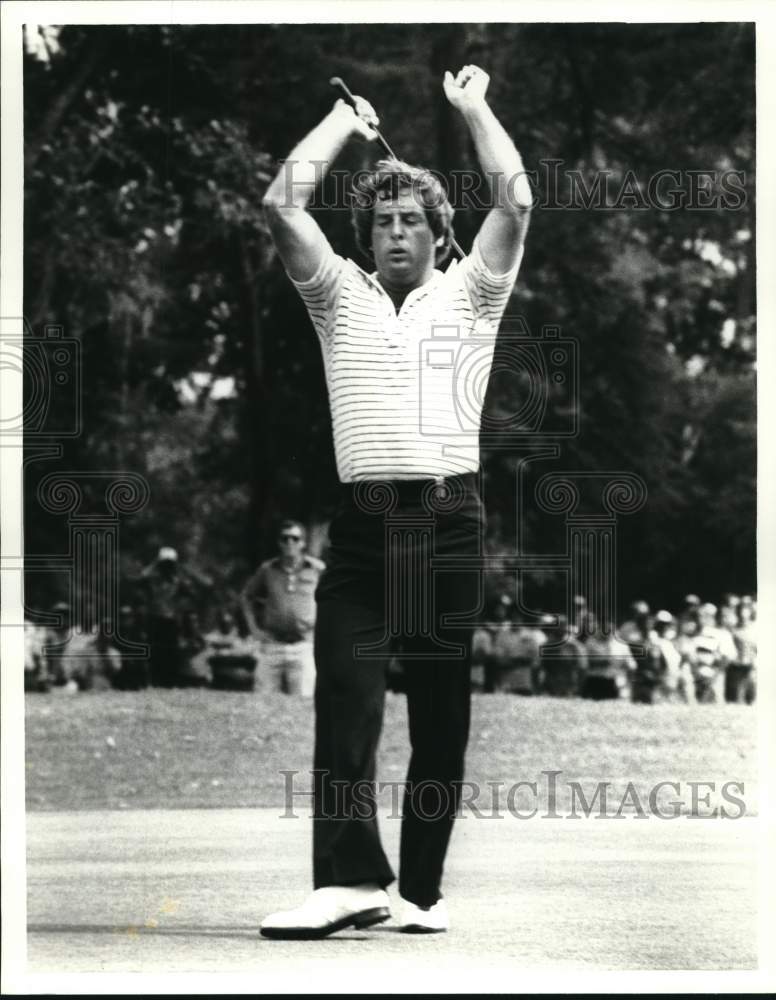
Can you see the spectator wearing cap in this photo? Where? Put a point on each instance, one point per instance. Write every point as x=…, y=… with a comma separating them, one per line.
x=169, y=592
x=668, y=678
x=279, y=606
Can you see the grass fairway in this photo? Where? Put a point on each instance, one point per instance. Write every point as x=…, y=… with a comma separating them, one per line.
x=179, y=749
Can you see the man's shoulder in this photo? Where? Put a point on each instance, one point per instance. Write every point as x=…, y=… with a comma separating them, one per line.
x=313, y=563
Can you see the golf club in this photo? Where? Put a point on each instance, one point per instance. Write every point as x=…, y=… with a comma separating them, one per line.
x=348, y=97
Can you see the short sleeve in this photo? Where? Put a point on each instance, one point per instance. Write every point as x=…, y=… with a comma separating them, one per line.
x=488, y=292
x=321, y=292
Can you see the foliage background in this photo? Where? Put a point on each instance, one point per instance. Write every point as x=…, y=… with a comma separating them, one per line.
x=147, y=150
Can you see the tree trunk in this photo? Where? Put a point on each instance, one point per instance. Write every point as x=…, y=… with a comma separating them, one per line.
x=58, y=110
x=257, y=410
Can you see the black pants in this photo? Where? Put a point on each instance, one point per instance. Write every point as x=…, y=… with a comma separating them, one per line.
x=164, y=641
x=380, y=596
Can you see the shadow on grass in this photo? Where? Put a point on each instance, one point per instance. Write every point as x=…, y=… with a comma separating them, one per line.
x=218, y=931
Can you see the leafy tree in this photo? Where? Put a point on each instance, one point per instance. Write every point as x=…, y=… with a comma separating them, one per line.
x=148, y=149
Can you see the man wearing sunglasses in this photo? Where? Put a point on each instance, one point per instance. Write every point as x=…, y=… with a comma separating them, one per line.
x=281, y=596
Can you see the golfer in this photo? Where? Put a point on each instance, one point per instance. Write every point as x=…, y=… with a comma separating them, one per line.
x=409, y=475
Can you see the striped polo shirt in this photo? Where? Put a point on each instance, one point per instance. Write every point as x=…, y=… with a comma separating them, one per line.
x=406, y=389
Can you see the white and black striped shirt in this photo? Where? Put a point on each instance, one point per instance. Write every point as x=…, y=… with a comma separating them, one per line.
x=406, y=390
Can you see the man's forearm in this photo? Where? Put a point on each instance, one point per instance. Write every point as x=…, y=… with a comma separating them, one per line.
x=250, y=618
x=499, y=159
x=309, y=160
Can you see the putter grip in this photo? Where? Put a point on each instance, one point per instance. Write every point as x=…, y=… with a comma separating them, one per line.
x=342, y=87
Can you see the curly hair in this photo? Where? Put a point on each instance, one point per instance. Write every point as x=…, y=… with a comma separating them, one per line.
x=386, y=180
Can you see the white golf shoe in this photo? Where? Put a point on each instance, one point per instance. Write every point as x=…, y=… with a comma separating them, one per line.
x=330, y=909
x=415, y=920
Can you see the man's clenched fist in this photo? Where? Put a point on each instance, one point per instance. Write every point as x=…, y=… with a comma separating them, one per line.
x=466, y=90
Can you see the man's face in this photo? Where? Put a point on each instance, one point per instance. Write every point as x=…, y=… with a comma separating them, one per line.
x=402, y=241
x=291, y=541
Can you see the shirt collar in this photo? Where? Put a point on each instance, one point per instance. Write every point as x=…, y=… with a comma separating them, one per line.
x=436, y=277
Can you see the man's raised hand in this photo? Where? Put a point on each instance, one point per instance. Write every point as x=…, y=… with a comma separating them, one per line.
x=466, y=90
x=360, y=118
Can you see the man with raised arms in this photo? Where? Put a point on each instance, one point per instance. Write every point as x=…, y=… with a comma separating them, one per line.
x=378, y=596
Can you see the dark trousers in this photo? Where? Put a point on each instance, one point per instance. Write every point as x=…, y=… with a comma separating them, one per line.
x=164, y=641
x=380, y=596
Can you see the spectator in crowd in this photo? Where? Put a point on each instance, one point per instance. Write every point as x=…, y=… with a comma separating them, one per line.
x=515, y=656
x=741, y=673
x=730, y=602
x=194, y=667
x=230, y=658
x=659, y=673
x=279, y=606
x=610, y=665
x=636, y=629
x=688, y=615
x=168, y=591
x=727, y=617
x=482, y=651
x=134, y=674
x=748, y=601
x=56, y=649
x=225, y=637
x=579, y=615
x=743, y=679
x=678, y=668
x=500, y=619
x=711, y=650
x=95, y=662
x=563, y=658
x=36, y=676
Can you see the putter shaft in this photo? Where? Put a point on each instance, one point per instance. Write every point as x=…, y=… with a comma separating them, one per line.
x=348, y=97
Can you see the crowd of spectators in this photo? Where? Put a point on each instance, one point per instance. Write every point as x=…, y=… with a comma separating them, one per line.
x=159, y=639
x=698, y=653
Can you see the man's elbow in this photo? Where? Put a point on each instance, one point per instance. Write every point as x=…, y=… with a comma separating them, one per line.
x=272, y=203
x=518, y=196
